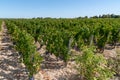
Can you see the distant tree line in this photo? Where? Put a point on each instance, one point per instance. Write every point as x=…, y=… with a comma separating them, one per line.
x=85, y=17
x=107, y=16
x=103, y=16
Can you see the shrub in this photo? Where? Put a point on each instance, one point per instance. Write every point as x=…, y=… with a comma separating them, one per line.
x=93, y=66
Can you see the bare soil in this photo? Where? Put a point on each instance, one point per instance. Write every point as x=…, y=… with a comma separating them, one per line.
x=10, y=66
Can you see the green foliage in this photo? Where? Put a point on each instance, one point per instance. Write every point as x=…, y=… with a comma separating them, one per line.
x=93, y=66
x=56, y=35
x=57, y=43
x=115, y=34
x=25, y=45
x=104, y=30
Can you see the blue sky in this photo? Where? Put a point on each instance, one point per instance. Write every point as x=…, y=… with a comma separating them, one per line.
x=57, y=8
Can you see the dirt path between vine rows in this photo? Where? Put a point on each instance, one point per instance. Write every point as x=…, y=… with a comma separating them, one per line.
x=10, y=66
